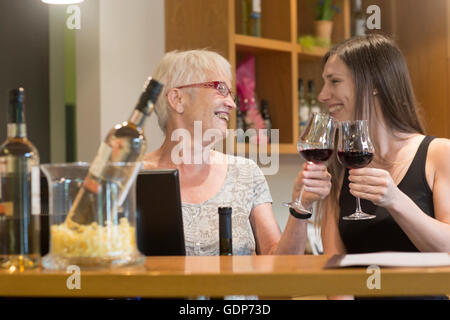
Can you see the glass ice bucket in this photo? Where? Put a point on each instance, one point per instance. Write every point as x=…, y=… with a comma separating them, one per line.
x=105, y=235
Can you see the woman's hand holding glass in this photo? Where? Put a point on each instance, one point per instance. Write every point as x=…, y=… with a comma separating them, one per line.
x=316, y=181
x=375, y=185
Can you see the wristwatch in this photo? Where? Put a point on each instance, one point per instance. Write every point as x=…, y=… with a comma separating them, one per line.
x=298, y=215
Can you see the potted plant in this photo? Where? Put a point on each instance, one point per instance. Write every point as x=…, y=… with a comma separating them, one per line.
x=323, y=25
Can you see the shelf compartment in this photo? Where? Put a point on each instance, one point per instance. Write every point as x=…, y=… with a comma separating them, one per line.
x=306, y=13
x=273, y=74
x=251, y=44
x=275, y=19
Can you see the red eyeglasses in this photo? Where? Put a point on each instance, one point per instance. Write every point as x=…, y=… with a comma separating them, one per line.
x=218, y=85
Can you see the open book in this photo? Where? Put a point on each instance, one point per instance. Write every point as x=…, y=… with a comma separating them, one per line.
x=390, y=259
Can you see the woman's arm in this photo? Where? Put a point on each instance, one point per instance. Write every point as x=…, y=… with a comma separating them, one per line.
x=331, y=240
x=316, y=180
x=425, y=232
x=269, y=239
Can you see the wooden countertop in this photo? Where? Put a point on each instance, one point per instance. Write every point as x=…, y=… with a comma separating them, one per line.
x=269, y=276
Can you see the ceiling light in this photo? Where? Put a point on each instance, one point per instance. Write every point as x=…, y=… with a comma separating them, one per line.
x=62, y=1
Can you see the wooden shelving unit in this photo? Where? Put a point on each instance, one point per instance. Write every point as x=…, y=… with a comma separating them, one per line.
x=279, y=59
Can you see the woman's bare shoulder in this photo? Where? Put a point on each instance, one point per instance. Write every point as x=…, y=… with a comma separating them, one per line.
x=439, y=151
x=438, y=158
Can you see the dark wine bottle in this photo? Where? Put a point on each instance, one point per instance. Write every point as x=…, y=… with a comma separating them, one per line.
x=266, y=118
x=124, y=143
x=303, y=107
x=19, y=192
x=313, y=103
x=255, y=18
x=225, y=232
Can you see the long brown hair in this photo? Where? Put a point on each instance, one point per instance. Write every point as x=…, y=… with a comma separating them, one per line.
x=377, y=64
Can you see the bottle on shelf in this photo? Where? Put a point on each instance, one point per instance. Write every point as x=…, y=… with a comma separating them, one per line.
x=303, y=107
x=359, y=19
x=240, y=122
x=246, y=7
x=313, y=103
x=19, y=192
x=266, y=117
x=225, y=231
x=255, y=18
x=124, y=143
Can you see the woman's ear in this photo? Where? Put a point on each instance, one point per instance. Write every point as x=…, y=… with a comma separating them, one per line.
x=176, y=100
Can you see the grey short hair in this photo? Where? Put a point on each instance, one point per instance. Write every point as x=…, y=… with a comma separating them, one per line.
x=178, y=68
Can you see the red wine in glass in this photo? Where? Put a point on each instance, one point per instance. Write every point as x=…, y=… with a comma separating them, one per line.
x=316, y=155
x=355, y=159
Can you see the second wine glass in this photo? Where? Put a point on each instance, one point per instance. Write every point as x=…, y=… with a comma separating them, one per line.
x=355, y=150
x=315, y=144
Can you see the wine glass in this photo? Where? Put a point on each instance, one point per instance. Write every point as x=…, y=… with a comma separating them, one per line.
x=315, y=144
x=355, y=150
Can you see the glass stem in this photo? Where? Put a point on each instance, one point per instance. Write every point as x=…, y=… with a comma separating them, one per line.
x=298, y=202
x=358, y=206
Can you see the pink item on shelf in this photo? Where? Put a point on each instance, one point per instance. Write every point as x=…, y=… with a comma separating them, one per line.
x=245, y=83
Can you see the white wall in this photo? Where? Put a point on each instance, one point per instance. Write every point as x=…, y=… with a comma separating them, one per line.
x=118, y=46
x=56, y=66
x=88, y=82
x=131, y=44
x=111, y=74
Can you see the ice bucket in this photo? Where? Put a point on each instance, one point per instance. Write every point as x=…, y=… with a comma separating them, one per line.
x=106, y=237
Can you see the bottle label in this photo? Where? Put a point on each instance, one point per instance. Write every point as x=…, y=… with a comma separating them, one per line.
x=315, y=109
x=256, y=6
x=304, y=114
x=360, y=27
x=35, y=190
x=102, y=157
x=130, y=181
x=6, y=208
x=91, y=185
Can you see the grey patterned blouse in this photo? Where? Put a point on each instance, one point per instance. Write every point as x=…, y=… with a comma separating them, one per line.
x=245, y=187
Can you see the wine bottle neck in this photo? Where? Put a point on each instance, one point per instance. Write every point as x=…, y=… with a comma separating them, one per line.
x=17, y=130
x=138, y=118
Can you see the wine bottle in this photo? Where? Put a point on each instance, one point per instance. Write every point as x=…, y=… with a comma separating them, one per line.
x=359, y=20
x=124, y=143
x=240, y=122
x=255, y=18
x=266, y=118
x=245, y=17
x=19, y=192
x=303, y=107
x=313, y=103
x=225, y=232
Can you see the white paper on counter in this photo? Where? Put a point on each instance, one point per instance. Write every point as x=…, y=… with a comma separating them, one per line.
x=391, y=259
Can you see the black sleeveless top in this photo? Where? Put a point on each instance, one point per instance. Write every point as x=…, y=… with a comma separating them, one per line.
x=383, y=233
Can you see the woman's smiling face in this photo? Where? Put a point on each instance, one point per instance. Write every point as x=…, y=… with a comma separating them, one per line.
x=338, y=92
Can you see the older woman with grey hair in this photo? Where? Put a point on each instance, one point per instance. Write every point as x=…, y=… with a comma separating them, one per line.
x=196, y=92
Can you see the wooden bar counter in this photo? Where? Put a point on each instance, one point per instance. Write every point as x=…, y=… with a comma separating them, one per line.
x=265, y=276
